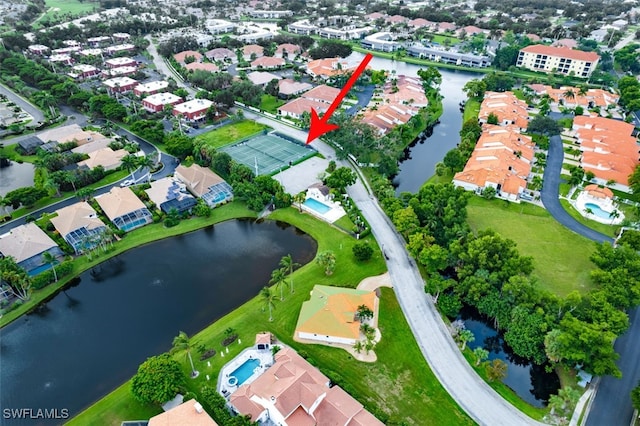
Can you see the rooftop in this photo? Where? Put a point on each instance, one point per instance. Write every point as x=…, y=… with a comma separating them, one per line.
x=118, y=202
x=24, y=242
x=563, y=52
x=76, y=216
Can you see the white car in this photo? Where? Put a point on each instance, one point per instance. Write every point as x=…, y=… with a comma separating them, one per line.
x=127, y=182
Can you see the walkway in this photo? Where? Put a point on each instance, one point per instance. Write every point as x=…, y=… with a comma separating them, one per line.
x=455, y=374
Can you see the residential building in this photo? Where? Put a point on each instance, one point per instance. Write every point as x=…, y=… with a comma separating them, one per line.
x=565, y=42
x=471, y=30
x=322, y=93
x=444, y=27
x=288, y=87
x=83, y=71
x=106, y=158
x=182, y=56
x=205, y=184
x=608, y=149
x=122, y=61
x=297, y=107
x=69, y=133
x=38, y=49
x=124, y=209
x=287, y=51
x=91, y=52
x=63, y=58
x=325, y=68
x=383, y=41
x=219, y=26
x=120, y=37
x=120, y=84
x=221, y=54
x=188, y=413
x=193, y=110
x=126, y=47
x=204, y=66
x=270, y=14
x=150, y=88
x=331, y=314
x=395, y=19
x=506, y=107
x=572, y=97
x=268, y=63
x=251, y=52
x=98, y=41
x=79, y=225
x=292, y=392
x=261, y=78
x=563, y=60
x=157, y=102
x=302, y=28
x=119, y=72
x=421, y=23
x=66, y=50
x=454, y=57
x=169, y=193
x=501, y=160
x=348, y=32
x=27, y=244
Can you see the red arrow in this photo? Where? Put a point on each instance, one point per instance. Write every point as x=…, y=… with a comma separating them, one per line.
x=320, y=126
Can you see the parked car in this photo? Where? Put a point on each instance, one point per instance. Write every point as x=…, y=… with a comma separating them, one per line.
x=127, y=182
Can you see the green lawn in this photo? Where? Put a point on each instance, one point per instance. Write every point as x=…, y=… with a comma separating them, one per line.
x=400, y=384
x=232, y=132
x=560, y=257
x=440, y=39
x=471, y=110
x=270, y=103
x=600, y=227
x=57, y=9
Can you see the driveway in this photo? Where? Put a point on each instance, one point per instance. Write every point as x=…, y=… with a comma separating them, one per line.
x=38, y=116
x=550, y=192
x=455, y=374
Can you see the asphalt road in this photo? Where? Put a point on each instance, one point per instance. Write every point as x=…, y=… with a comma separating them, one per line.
x=475, y=397
x=163, y=68
x=38, y=116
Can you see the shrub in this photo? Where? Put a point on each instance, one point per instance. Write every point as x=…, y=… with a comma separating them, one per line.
x=362, y=252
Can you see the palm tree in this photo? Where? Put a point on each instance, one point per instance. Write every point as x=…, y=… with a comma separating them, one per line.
x=481, y=354
x=51, y=260
x=299, y=198
x=84, y=193
x=278, y=277
x=268, y=297
x=358, y=346
x=288, y=264
x=614, y=215
x=130, y=162
x=583, y=89
x=465, y=336
x=569, y=94
x=51, y=186
x=147, y=162
x=181, y=343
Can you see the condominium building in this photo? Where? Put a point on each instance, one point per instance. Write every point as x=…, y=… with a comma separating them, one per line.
x=558, y=59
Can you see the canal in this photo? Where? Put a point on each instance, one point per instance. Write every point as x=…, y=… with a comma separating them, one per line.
x=423, y=156
x=91, y=338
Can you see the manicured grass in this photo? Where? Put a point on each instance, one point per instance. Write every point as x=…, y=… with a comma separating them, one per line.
x=440, y=39
x=231, y=133
x=12, y=154
x=345, y=223
x=471, y=110
x=518, y=93
x=600, y=227
x=73, y=7
x=435, y=179
x=505, y=391
x=270, y=103
x=135, y=238
x=400, y=384
x=564, y=189
x=560, y=257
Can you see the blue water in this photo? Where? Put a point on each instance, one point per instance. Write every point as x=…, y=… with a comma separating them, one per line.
x=39, y=269
x=133, y=224
x=597, y=210
x=245, y=371
x=316, y=205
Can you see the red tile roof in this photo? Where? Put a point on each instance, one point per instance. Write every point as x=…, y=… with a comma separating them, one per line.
x=562, y=52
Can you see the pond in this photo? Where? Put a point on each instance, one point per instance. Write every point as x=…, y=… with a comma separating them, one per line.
x=89, y=339
x=15, y=176
x=530, y=381
x=428, y=149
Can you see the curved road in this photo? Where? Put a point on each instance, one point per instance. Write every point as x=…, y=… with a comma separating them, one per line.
x=38, y=116
x=475, y=397
x=612, y=402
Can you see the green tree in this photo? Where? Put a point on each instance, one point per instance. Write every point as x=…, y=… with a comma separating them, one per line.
x=16, y=277
x=362, y=252
x=475, y=88
x=299, y=199
x=278, y=277
x=544, y=126
x=327, y=259
x=406, y=221
x=526, y=333
x=497, y=370
x=341, y=178
x=50, y=259
x=454, y=160
x=464, y=337
x=178, y=144
x=481, y=354
x=364, y=313
x=289, y=265
x=268, y=298
x=430, y=76
x=182, y=343
x=492, y=119
x=635, y=397
x=158, y=380
x=634, y=180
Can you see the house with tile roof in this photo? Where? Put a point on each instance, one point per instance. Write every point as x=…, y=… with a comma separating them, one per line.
x=182, y=56
x=204, y=66
x=27, y=244
x=205, y=184
x=325, y=68
x=608, y=149
x=287, y=51
x=318, y=98
x=420, y=23
x=591, y=98
x=563, y=60
x=251, y=52
x=169, y=193
x=106, y=158
x=79, y=224
x=261, y=78
x=293, y=393
x=221, y=54
x=124, y=209
x=507, y=107
x=501, y=159
x=331, y=314
x=288, y=87
x=268, y=63
x=188, y=413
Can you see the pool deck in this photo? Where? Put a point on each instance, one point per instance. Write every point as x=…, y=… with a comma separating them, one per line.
x=331, y=216
x=582, y=200
x=263, y=355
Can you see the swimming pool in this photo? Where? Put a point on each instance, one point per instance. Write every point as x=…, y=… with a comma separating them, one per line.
x=597, y=210
x=316, y=205
x=245, y=371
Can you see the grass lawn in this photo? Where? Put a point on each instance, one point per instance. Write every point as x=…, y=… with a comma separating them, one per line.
x=440, y=39
x=135, y=238
x=270, y=103
x=600, y=227
x=230, y=133
x=471, y=110
x=560, y=257
x=400, y=384
x=435, y=179
x=58, y=8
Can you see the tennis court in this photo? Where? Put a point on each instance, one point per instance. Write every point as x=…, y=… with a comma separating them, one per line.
x=269, y=152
